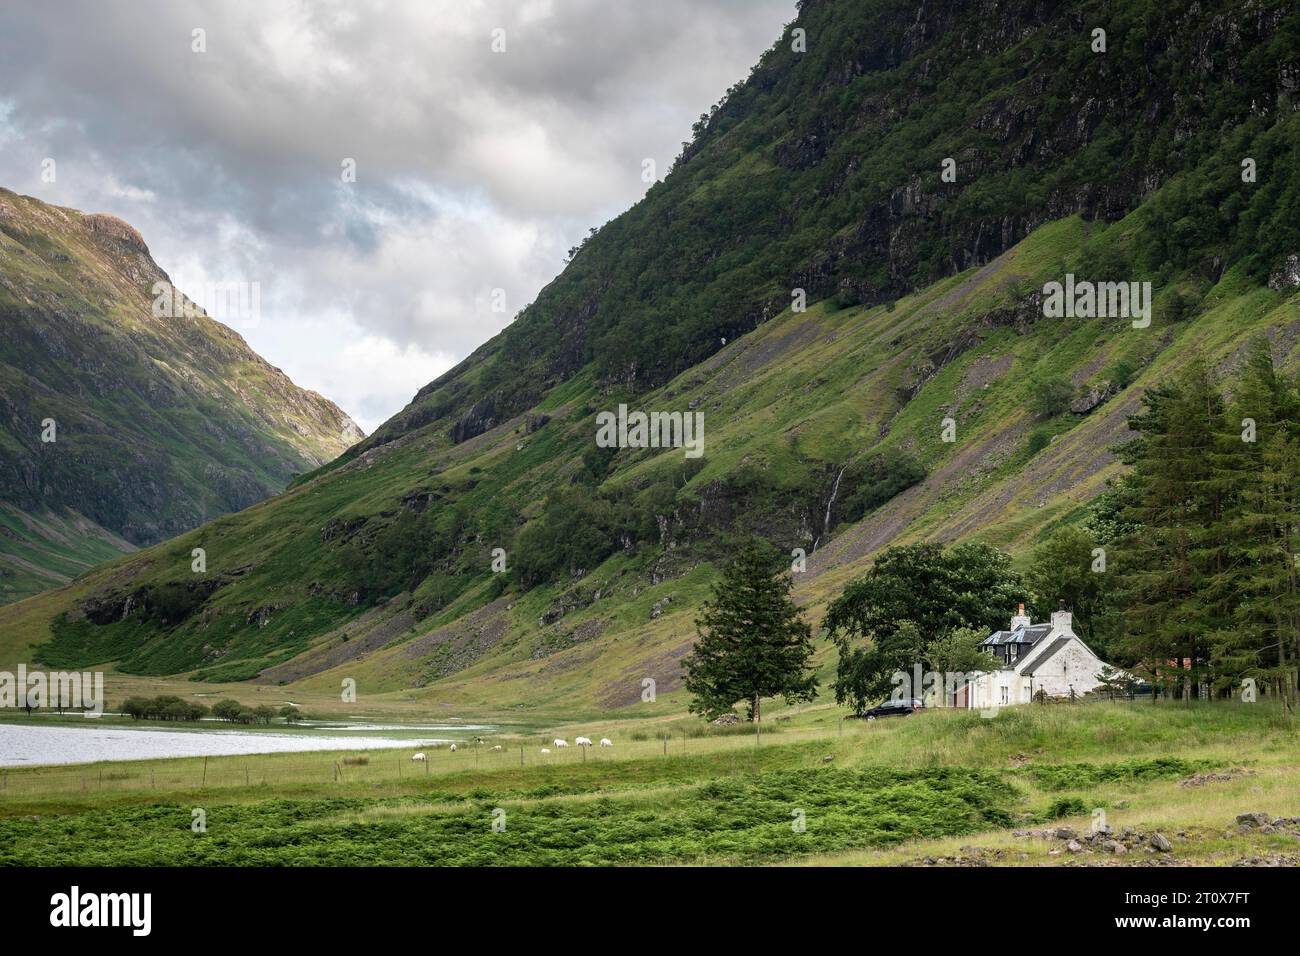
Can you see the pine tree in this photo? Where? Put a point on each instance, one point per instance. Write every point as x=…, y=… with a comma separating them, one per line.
x=1175, y=589
x=1263, y=641
x=753, y=642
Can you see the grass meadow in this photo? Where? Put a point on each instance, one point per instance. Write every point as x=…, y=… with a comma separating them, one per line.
x=814, y=790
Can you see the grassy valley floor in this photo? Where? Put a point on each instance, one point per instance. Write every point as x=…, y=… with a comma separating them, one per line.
x=940, y=788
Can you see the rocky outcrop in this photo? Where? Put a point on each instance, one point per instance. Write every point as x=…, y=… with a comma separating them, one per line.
x=1092, y=397
x=1286, y=277
x=480, y=417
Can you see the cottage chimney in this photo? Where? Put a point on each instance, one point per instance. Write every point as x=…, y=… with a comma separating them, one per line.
x=1063, y=620
x=1020, y=618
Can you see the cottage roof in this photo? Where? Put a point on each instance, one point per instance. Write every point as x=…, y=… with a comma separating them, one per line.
x=1048, y=652
x=1020, y=635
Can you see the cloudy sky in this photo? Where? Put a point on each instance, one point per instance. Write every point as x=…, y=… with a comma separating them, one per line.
x=476, y=170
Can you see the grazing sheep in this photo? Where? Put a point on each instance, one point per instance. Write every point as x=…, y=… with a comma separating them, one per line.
x=606, y=742
x=498, y=747
x=418, y=757
x=582, y=741
x=453, y=748
x=557, y=742
x=545, y=751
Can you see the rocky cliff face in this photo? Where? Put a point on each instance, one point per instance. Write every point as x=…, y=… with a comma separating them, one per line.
x=145, y=425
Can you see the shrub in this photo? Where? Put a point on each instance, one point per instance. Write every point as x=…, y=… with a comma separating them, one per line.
x=1039, y=439
x=1051, y=396
x=1122, y=373
x=227, y=710
x=1066, y=807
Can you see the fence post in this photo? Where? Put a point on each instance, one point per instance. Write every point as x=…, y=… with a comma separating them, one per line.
x=204, y=782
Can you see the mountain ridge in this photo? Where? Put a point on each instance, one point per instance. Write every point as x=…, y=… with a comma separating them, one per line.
x=169, y=420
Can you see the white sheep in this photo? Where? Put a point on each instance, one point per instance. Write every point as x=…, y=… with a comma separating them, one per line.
x=453, y=748
x=418, y=757
x=498, y=747
x=606, y=742
x=545, y=751
x=582, y=741
x=557, y=742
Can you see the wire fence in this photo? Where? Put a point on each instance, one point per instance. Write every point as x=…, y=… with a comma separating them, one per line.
x=376, y=767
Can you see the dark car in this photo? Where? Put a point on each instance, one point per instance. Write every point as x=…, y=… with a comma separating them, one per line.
x=893, y=708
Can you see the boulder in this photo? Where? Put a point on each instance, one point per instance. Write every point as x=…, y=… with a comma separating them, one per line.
x=1094, y=396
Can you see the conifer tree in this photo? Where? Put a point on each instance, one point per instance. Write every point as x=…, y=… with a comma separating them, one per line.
x=1263, y=638
x=1174, y=582
x=753, y=642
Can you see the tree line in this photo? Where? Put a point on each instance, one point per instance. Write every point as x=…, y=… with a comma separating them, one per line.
x=168, y=707
x=1185, y=570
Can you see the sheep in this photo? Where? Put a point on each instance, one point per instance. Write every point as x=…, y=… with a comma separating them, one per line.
x=498, y=747
x=418, y=757
x=606, y=742
x=582, y=741
x=453, y=748
x=545, y=751
x=557, y=742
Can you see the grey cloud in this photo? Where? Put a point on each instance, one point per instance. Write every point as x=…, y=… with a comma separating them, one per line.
x=475, y=170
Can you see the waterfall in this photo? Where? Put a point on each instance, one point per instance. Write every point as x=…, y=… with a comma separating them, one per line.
x=826, y=522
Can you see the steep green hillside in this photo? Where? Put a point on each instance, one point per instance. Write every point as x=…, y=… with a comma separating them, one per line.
x=822, y=171
x=899, y=406
x=159, y=423
x=43, y=551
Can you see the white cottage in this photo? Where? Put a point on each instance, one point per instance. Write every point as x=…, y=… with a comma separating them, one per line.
x=1033, y=657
